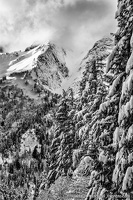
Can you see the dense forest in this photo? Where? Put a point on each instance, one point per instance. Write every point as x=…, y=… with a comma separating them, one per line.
x=45, y=144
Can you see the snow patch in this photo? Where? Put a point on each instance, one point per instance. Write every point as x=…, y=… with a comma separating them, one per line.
x=127, y=181
x=120, y=44
x=110, y=58
x=130, y=158
x=116, y=135
x=129, y=65
x=28, y=141
x=125, y=111
x=92, y=177
x=103, y=157
x=120, y=7
x=131, y=42
x=116, y=82
x=25, y=62
x=104, y=106
x=130, y=133
x=102, y=194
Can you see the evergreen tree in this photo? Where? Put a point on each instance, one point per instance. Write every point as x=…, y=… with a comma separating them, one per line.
x=63, y=141
x=115, y=127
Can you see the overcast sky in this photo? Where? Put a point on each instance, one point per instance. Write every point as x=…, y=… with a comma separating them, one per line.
x=73, y=24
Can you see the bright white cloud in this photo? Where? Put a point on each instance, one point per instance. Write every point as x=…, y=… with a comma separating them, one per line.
x=71, y=23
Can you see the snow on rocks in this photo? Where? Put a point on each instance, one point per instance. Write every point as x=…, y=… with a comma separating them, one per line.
x=24, y=62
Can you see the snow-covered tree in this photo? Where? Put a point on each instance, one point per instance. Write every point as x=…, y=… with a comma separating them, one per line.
x=63, y=141
x=115, y=125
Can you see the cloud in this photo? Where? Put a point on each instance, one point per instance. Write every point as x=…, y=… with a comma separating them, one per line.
x=74, y=24
x=85, y=22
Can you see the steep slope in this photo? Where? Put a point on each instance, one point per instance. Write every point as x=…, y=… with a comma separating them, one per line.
x=93, y=84
x=74, y=119
x=25, y=135
x=28, y=101
x=112, y=176
x=92, y=87
x=100, y=51
x=34, y=70
x=77, y=133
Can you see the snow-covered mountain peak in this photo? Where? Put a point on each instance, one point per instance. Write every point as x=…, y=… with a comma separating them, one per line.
x=46, y=66
x=43, y=66
x=101, y=49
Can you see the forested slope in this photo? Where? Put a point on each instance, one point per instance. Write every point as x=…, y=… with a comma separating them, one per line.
x=112, y=175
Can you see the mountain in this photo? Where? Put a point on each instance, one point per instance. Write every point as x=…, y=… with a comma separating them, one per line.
x=74, y=144
x=101, y=50
x=43, y=133
x=46, y=67
x=34, y=70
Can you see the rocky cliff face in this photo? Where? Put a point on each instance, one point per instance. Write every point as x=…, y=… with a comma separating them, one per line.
x=28, y=101
x=34, y=70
